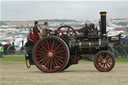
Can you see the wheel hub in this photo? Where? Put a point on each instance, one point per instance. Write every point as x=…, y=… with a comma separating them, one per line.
x=50, y=54
x=104, y=61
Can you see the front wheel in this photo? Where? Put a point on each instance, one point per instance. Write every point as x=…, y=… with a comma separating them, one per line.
x=104, y=61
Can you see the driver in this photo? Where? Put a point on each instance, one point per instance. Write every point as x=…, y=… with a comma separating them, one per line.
x=45, y=29
x=84, y=29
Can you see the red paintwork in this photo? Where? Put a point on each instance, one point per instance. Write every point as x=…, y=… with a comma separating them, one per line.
x=105, y=62
x=64, y=31
x=35, y=35
x=50, y=63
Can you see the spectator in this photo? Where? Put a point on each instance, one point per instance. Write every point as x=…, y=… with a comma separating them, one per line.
x=1, y=51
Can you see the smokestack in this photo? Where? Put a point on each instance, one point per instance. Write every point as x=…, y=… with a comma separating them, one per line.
x=103, y=23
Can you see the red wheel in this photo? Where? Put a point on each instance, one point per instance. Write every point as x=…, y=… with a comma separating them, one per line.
x=66, y=30
x=51, y=54
x=104, y=61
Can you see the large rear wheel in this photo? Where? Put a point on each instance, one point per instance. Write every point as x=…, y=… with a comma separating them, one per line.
x=51, y=54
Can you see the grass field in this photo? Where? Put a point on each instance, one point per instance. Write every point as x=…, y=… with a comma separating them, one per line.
x=21, y=58
x=14, y=72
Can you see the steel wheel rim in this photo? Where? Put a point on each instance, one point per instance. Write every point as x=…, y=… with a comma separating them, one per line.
x=104, y=61
x=53, y=55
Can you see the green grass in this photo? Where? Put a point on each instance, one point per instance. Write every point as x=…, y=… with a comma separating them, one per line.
x=22, y=58
x=121, y=59
x=13, y=58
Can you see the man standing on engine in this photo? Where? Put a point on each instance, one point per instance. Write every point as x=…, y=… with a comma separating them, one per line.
x=36, y=32
x=45, y=29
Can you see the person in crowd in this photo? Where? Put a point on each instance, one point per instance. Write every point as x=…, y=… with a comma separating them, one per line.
x=36, y=32
x=1, y=50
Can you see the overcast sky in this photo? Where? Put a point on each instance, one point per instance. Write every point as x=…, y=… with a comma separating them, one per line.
x=34, y=10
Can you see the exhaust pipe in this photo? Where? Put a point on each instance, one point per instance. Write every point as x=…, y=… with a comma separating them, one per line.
x=103, y=23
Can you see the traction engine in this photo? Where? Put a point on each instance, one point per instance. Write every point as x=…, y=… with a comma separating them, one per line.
x=64, y=47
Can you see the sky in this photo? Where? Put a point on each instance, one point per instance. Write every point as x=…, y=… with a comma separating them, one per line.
x=59, y=9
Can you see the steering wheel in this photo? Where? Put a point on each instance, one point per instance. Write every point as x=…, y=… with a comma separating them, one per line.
x=66, y=31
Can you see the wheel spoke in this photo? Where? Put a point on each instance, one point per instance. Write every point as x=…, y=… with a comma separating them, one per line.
x=43, y=63
x=48, y=45
x=109, y=64
x=54, y=64
x=40, y=48
x=52, y=44
x=44, y=60
x=41, y=52
x=57, y=62
x=60, y=51
x=57, y=46
x=62, y=54
x=45, y=44
x=99, y=61
x=47, y=63
x=59, y=58
x=54, y=47
x=43, y=47
x=51, y=64
x=104, y=65
x=61, y=48
x=109, y=61
x=40, y=57
x=107, y=57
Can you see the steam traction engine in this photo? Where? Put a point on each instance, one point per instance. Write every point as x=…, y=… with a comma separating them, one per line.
x=64, y=47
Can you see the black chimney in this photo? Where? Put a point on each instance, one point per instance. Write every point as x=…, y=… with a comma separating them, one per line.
x=103, y=23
